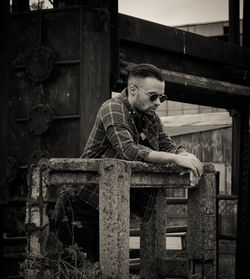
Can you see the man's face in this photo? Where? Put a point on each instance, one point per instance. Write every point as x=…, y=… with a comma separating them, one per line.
x=144, y=88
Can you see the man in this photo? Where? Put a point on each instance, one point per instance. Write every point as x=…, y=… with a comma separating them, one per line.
x=126, y=127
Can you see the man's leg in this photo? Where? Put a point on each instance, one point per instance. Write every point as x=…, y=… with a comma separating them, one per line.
x=77, y=222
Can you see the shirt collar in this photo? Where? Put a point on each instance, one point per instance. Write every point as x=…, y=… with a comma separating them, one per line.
x=124, y=97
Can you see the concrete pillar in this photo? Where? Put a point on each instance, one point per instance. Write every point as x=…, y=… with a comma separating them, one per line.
x=114, y=189
x=153, y=238
x=201, y=227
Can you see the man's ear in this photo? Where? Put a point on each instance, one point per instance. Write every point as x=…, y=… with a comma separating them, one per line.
x=132, y=90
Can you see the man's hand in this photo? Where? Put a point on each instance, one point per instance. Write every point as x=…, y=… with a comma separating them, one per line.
x=185, y=160
x=189, y=161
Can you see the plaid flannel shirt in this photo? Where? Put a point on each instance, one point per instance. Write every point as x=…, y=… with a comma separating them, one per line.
x=115, y=135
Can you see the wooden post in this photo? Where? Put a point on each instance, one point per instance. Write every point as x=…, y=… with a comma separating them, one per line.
x=201, y=227
x=153, y=238
x=114, y=187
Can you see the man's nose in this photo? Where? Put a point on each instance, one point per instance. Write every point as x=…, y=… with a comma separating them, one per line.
x=157, y=102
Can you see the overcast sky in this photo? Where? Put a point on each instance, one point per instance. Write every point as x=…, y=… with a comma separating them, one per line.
x=177, y=12
x=174, y=12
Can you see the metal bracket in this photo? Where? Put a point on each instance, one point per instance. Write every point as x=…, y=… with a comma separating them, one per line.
x=40, y=64
x=39, y=119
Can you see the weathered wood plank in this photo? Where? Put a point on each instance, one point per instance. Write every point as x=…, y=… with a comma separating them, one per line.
x=202, y=119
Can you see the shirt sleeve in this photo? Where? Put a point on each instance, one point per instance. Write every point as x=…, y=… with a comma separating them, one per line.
x=118, y=128
x=165, y=142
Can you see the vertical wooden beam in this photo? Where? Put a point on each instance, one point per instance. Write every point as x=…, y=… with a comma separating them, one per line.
x=4, y=74
x=153, y=238
x=201, y=227
x=243, y=212
x=234, y=21
x=246, y=23
x=114, y=187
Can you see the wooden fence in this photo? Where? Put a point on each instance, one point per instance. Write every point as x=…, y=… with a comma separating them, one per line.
x=115, y=178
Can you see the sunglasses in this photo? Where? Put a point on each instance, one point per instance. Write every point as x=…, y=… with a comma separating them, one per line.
x=153, y=96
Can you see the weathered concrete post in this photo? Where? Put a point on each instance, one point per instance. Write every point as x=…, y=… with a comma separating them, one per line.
x=201, y=226
x=153, y=238
x=114, y=187
x=36, y=207
x=37, y=220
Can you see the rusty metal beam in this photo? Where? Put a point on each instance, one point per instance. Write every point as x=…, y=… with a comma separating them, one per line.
x=203, y=70
x=187, y=88
x=184, y=52
x=164, y=38
x=204, y=91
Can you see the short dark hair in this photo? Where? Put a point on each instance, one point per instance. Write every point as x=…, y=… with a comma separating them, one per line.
x=146, y=70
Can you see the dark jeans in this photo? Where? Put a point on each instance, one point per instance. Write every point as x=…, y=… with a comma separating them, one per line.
x=77, y=222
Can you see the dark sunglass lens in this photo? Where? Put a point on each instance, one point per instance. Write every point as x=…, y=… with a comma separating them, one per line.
x=153, y=97
x=163, y=98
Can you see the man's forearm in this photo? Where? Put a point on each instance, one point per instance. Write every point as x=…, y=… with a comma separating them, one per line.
x=161, y=157
x=186, y=160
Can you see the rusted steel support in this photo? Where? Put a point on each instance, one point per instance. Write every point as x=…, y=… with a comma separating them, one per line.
x=98, y=55
x=234, y=21
x=153, y=238
x=201, y=227
x=4, y=87
x=241, y=187
x=4, y=73
x=114, y=187
x=246, y=23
